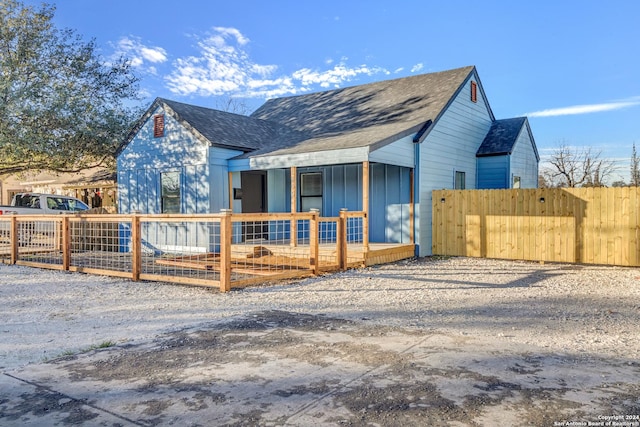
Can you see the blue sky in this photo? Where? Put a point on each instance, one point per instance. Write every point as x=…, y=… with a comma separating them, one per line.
x=572, y=66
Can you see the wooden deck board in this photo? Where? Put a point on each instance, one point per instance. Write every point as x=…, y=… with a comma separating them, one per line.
x=267, y=259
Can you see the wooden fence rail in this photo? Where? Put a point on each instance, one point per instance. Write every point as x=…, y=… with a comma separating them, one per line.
x=576, y=225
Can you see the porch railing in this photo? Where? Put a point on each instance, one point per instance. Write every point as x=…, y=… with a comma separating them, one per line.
x=223, y=250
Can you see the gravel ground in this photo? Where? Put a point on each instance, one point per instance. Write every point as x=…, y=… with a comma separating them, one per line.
x=434, y=341
x=570, y=309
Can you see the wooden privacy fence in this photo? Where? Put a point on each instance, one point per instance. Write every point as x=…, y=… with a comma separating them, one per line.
x=223, y=250
x=577, y=225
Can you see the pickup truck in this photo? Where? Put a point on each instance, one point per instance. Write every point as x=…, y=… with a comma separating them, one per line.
x=41, y=204
x=37, y=204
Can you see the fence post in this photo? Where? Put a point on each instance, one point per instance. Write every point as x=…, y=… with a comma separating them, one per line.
x=365, y=236
x=66, y=243
x=136, y=247
x=314, y=230
x=341, y=239
x=225, y=250
x=14, y=239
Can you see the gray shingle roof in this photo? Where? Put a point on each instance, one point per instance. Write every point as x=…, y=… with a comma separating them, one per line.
x=363, y=115
x=225, y=129
x=352, y=117
x=502, y=137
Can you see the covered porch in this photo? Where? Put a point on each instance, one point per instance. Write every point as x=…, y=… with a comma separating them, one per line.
x=383, y=192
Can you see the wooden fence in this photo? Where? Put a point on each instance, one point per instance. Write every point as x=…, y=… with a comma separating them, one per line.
x=576, y=225
x=222, y=250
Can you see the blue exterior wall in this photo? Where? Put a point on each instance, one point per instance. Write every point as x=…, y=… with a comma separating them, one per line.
x=342, y=188
x=524, y=162
x=203, y=170
x=203, y=183
x=389, y=200
x=494, y=172
x=450, y=146
x=499, y=171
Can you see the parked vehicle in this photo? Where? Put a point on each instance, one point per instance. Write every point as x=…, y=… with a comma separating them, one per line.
x=42, y=204
x=38, y=204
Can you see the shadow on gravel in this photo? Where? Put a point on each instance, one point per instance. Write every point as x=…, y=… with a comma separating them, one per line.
x=281, y=368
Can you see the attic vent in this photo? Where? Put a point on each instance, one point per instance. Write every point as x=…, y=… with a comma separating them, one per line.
x=474, y=92
x=158, y=125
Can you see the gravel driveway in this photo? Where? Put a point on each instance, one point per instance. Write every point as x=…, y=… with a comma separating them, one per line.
x=434, y=341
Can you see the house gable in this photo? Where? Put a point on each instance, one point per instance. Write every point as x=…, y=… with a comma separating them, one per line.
x=177, y=146
x=362, y=118
x=508, y=151
x=525, y=158
x=449, y=147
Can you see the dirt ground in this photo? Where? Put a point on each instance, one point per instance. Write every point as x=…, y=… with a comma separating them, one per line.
x=496, y=343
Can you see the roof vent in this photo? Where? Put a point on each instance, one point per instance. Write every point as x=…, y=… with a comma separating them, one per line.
x=158, y=125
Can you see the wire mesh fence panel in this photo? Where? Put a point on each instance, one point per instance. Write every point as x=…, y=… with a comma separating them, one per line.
x=328, y=239
x=5, y=239
x=188, y=248
x=261, y=247
x=100, y=243
x=180, y=249
x=355, y=238
x=40, y=240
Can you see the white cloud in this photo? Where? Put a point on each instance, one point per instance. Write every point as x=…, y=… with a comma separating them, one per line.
x=398, y=70
x=156, y=54
x=222, y=66
x=333, y=77
x=585, y=109
x=226, y=32
x=417, y=67
x=139, y=54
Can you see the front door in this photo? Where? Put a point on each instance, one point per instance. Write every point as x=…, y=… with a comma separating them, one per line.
x=254, y=200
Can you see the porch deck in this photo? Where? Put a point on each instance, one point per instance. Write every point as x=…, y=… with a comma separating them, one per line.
x=265, y=258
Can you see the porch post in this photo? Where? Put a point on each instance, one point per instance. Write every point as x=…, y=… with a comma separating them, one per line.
x=294, y=207
x=230, y=190
x=365, y=208
x=412, y=231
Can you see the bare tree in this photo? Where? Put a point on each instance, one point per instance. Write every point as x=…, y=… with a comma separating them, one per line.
x=635, y=167
x=572, y=167
x=231, y=105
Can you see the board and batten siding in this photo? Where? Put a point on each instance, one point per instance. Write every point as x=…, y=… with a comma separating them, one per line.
x=524, y=162
x=389, y=204
x=203, y=170
x=342, y=188
x=450, y=146
x=143, y=160
x=218, y=177
x=493, y=172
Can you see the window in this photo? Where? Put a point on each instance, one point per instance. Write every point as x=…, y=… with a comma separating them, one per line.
x=170, y=182
x=474, y=92
x=310, y=191
x=460, y=181
x=158, y=125
x=516, y=181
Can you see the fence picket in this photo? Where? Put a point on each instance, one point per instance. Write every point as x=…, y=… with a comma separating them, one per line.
x=585, y=225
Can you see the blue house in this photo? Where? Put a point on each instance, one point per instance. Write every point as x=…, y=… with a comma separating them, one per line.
x=380, y=147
